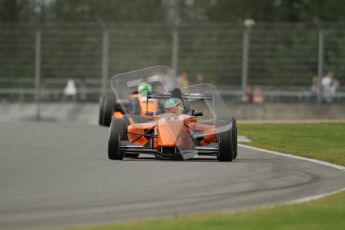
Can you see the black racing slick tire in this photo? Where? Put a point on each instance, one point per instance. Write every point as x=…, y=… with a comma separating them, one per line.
x=117, y=133
x=225, y=140
x=234, y=137
x=108, y=108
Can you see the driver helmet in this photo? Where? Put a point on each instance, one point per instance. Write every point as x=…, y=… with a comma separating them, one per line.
x=174, y=105
x=144, y=88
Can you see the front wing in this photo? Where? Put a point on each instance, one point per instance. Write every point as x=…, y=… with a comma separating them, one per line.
x=126, y=147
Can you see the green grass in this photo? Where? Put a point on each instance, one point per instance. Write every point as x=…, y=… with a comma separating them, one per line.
x=324, y=141
x=320, y=141
x=326, y=213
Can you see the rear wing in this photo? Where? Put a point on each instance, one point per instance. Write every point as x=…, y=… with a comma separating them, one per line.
x=191, y=96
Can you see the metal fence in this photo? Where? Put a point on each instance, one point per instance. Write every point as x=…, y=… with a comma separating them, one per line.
x=280, y=58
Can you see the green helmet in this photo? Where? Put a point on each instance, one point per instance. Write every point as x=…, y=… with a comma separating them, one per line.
x=174, y=105
x=144, y=88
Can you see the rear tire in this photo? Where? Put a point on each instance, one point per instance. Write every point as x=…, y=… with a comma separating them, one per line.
x=116, y=134
x=108, y=108
x=225, y=141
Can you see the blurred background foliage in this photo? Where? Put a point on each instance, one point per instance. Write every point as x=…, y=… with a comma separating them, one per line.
x=283, y=49
x=154, y=10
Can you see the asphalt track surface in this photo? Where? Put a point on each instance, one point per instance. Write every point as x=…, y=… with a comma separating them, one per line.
x=57, y=174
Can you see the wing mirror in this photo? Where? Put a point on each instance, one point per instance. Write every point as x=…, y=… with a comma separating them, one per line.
x=196, y=113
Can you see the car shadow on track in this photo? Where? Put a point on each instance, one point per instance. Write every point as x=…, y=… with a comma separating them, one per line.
x=197, y=159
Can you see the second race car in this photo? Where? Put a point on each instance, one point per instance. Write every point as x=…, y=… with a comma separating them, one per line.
x=110, y=106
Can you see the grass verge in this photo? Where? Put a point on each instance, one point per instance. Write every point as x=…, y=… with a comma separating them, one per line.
x=326, y=213
x=323, y=141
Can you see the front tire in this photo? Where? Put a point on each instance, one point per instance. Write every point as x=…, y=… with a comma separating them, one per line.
x=225, y=141
x=116, y=134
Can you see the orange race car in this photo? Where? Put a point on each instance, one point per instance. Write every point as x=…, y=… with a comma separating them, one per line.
x=185, y=123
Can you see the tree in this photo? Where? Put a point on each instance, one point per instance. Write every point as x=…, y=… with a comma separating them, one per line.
x=14, y=10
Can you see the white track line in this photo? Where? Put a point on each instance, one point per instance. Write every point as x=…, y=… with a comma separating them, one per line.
x=308, y=198
x=294, y=156
x=316, y=197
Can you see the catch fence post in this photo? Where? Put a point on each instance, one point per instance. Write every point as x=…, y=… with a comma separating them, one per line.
x=105, y=59
x=175, y=47
x=248, y=24
x=320, y=63
x=38, y=73
x=173, y=16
